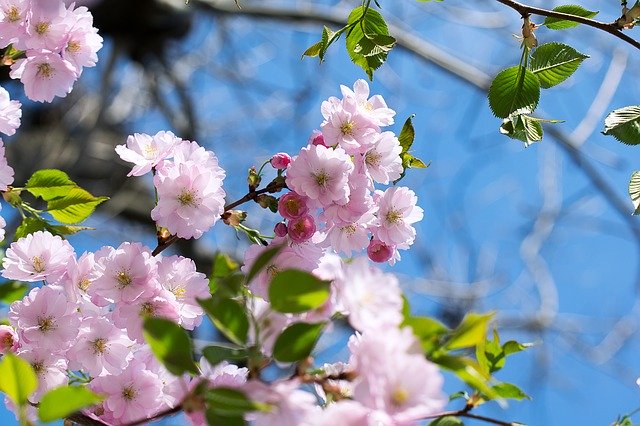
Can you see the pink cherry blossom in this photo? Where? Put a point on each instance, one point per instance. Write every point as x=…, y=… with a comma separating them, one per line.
x=45, y=318
x=379, y=251
x=280, y=161
x=13, y=18
x=316, y=138
x=178, y=275
x=6, y=172
x=44, y=74
x=398, y=211
x=100, y=347
x=374, y=108
x=280, y=229
x=301, y=229
x=125, y=274
x=187, y=151
x=289, y=405
x=146, y=151
x=8, y=339
x=132, y=315
x=321, y=174
x=36, y=257
x=346, y=126
x=292, y=205
x=10, y=113
x=82, y=41
x=190, y=198
x=382, y=161
x=50, y=369
x=47, y=26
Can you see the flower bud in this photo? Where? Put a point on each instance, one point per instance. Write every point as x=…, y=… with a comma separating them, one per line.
x=280, y=161
x=379, y=251
x=253, y=179
x=292, y=205
x=301, y=229
x=316, y=138
x=280, y=229
x=8, y=340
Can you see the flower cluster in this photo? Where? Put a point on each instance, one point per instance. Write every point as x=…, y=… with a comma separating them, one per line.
x=333, y=199
x=187, y=178
x=88, y=316
x=58, y=42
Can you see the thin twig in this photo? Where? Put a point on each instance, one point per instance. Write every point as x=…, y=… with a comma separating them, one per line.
x=612, y=28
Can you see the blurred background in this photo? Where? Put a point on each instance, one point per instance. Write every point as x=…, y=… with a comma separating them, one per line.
x=543, y=235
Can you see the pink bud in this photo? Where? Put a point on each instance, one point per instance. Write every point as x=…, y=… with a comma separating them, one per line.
x=292, y=205
x=317, y=138
x=280, y=229
x=280, y=161
x=301, y=229
x=379, y=251
x=8, y=340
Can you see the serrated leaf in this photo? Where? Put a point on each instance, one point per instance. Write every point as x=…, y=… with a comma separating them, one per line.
x=624, y=124
x=367, y=27
x=509, y=391
x=49, y=184
x=12, y=291
x=572, y=9
x=553, y=63
x=60, y=402
x=634, y=191
x=171, y=345
x=29, y=225
x=292, y=291
x=229, y=317
x=75, y=206
x=407, y=134
x=218, y=353
x=514, y=89
x=522, y=128
x=297, y=341
x=471, y=331
x=17, y=379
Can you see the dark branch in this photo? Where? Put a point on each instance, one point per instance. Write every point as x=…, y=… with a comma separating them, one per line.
x=612, y=28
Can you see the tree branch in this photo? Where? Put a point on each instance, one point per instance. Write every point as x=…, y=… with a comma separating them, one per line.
x=612, y=28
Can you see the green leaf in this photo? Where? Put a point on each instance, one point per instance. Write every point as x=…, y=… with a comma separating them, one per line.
x=214, y=419
x=60, y=402
x=447, y=421
x=30, y=225
x=49, y=184
x=229, y=317
x=17, y=379
x=428, y=331
x=221, y=275
x=75, y=206
x=314, y=50
x=523, y=128
x=514, y=89
x=467, y=370
x=170, y=344
x=407, y=134
x=509, y=391
x=218, y=353
x=293, y=291
x=553, y=63
x=368, y=40
x=297, y=341
x=634, y=191
x=263, y=261
x=571, y=9
x=12, y=291
x=230, y=402
x=471, y=331
x=624, y=124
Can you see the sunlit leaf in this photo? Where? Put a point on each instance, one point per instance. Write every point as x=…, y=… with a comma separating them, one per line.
x=571, y=9
x=17, y=379
x=75, y=206
x=297, y=341
x=171, y=345
x=60, y=402
x=471, y=331
x=49, y=184
x=12, y=291
x=514, y=89
x=553, y=63
x=624, y=124
x=229, y=317
x=509, y=391
x=368, y=32
x=294, y=291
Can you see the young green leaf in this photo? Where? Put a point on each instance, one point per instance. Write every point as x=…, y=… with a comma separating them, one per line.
x=553, y=63
x=368, y=40
x=17, y=379
x=29, y=225
x=510, y=391
x=60, y=402
x=624, y=124
x=471, y=331
x=49, y=184
x=214, y=418
x=554, y=23
x=297, y=341
x=514, y=89
x=428, y=331
x=407, y=134
x=75, y=206
x=523, y=128
x=230, y=402
x=634, y=191
x=467, y=370
x=293, y=291
x=263, y=261
x=218, y=353
x=12, y=291
x=171, y=345
x=447, y=421
x=229, y=317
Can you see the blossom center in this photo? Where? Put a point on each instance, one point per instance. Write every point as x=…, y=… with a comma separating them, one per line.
x=38, y=367
x=7, y=342
x=99, y=346
x=322, y=178
x=124, y=279
x=150, y=152
x=399, y=397
x=46, y=324
x=42, y=28
x=188, y=198
x=147, y=309
x=38, y=264
x=13, y=14
x=349, y=229
x=45, y=70
x=128, y=393
x=393, y=216
x=179, y=292
x=372, y=158
x=84, y=284
x=347, y=128
x=73, y=46
x=272, y=270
